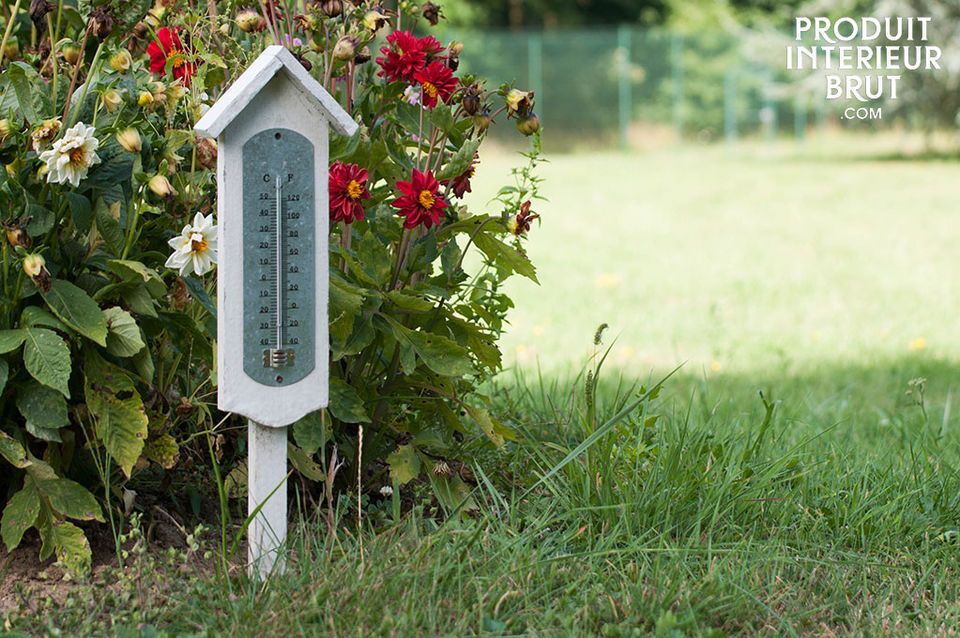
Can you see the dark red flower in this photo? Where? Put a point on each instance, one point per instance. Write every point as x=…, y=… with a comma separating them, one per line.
x=436, y=82
x=520, y=224
x=167, y=46
x=420, y=202
x=461, y=183
x=348, y=189
x=403, y=58
x=430, y=46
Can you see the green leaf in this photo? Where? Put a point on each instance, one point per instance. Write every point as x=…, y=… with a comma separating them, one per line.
x=302, y=462
x=4, y=374
x=71, y=546
x=109, y=227
x=20, y=75
x=11, y=339
x=440, y=354
x=410, y=303
x=345, y=404
x=71, y=499
x=162, y=450
x=130, y=270
x=345, y=304
x=76, y=309
x=452, y=493
x=494, y=430
x=404, y=464
x=47, y=358
x=123, y=333
x=460, y=161
x=505, y=255
x=45, y=410
x=19, y=515
x=310, y=433
x=121, y=421
x=36, y=316
x=12, y=451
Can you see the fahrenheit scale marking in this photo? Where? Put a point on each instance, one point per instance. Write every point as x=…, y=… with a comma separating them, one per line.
x=279, y=254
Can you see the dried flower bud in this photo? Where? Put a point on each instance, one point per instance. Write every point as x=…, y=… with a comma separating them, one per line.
x=307, y=22
x=528, y=124
x=100, y=23
x=38, y=13
x=34, y=266
x=331, y=8
x=519, y=102
x=248, y=20
x=43, y=135
x=482, y=120
x=206, y=152
x=121, y=61
x=520, y=224
x=112, y=100
x=346, y=48
x=363, y=56
x=161, y=186
x=472, y=99
x=304, y=62
x=442, y=469
x=374, y=20
x=129, y=139
x=431, y=12
x=16, y=232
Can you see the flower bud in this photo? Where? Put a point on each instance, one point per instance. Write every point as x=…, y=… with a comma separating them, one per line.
x=33, y=264
x=43, y=135
x=70, y=52
x=456, y=47
x=308, y=22
x=225, y=28
x=528, y=124
x=363, y=56
x=4, y=129
x=431, y=13
x=145, y=98
x=129, y=139
x=121, y=61
x=331, y=8
x=16, y=232
x=175, y=91
x=346, y=48
x=11, y=49
x=472, y=99
x=374, y=20
x=160, y=186
x=112, y=100
x=207, y=152
x=482, y=121
x=248, y=20
x=519, y=101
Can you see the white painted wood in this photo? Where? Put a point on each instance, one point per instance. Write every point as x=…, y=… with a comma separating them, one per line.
x=266, y=485
x=238, y=97
x=278, y=104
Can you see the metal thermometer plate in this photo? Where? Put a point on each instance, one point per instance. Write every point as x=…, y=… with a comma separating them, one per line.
x=278, y=257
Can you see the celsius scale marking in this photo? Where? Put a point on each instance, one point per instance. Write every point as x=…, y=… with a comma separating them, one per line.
x=278, y=265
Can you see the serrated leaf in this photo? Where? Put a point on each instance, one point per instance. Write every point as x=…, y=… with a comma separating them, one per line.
x=131, y=270
x=123, y=333
x=345, y=404
x=115, y=404
x=47, y=358
x=310, y=433
x=19, y=515
x=404, y=464
x=44, y=406
x=71, y=499
x=76, y=309
x=460, y=161
x=40, y=317
x=505, y=255
x=12, y=451
x=438, y=353
x=11, y=340
x=70, y=545
x=410, y=303
x=345, y=304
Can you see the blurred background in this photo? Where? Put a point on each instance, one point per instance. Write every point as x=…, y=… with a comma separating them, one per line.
x=711, y=206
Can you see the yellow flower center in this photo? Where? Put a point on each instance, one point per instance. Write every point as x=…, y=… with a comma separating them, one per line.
x=426, y=199
x=430, y=89
x=77, y=156
x=354, y=190
x=198, y=245
x=177, y=59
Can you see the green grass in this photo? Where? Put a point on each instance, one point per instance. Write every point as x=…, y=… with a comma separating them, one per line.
x=828, y=505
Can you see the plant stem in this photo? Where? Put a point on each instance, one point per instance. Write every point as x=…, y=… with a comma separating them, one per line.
x=6, y=33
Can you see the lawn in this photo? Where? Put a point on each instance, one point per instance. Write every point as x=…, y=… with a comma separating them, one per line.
x=797, y=476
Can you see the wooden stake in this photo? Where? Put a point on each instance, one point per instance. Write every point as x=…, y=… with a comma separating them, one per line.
x=266, y=485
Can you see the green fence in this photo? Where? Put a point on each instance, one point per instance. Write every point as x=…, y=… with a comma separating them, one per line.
x=618, y=86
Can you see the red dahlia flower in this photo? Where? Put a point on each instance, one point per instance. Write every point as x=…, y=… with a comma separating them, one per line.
x=436, y=81
x=430, y=46
x=168, y=46
x=403, y=58
x=348, y=189
x=461, y=183
x=420, y=202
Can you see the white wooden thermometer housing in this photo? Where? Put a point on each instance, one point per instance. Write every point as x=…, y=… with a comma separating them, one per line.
x=272, y=127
